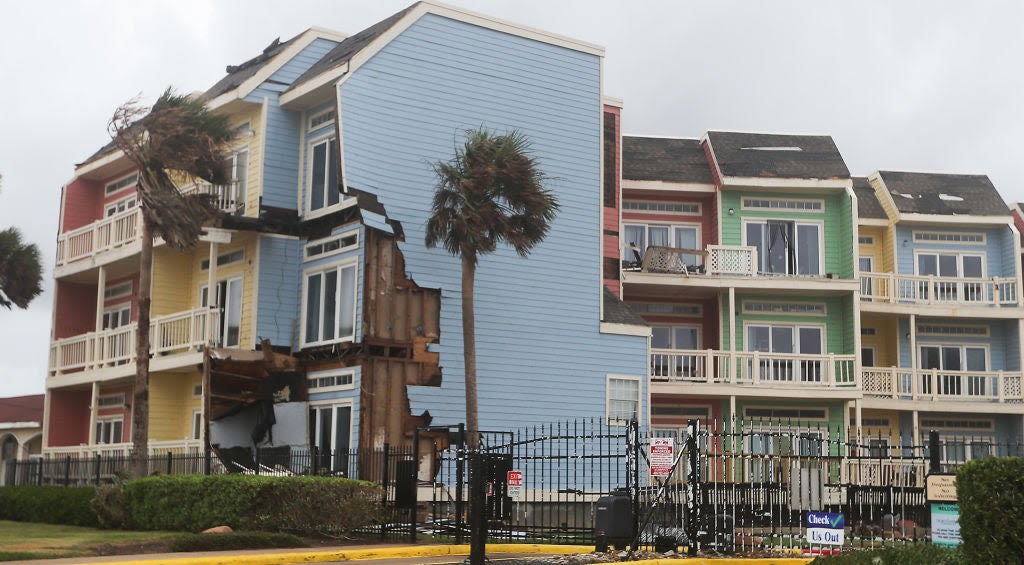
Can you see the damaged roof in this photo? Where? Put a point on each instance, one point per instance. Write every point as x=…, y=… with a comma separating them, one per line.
x=664, y=159
x=943, y=194
x=616, y=311
x=237, y=74
x=21, y=409
x=345, y=50
x=766, y=155
x=868, y=205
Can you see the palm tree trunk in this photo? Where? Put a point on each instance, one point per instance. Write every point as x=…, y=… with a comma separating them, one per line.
x=469, y=350
x=140, y=397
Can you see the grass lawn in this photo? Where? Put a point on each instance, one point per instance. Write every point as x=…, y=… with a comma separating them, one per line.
x=23, y=540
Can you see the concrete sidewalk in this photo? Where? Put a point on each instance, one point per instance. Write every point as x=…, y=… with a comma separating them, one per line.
x=384, y=555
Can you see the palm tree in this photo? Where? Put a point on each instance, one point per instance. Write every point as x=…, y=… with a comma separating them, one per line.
x=491, y=192
x=21, y=273
x=178, y=139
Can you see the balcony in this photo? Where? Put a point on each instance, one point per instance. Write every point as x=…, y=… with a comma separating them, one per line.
x=176, y=333
x=224, y=197
x=123, y=450
x=890, y=288
x=117, y=231
x=754, y=369
x=937, y=385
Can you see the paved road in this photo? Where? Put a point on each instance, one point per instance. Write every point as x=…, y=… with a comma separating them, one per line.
x=495, y=558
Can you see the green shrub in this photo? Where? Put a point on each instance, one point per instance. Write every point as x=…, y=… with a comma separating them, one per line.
x=109, y=503
x=235, y=540
x=193, y=503
x=919, y=554
x=49, y=505
x=990, y=493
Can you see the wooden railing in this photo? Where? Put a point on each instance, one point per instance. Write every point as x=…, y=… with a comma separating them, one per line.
x=182, y=331
x=108, y=450
x=934, y=384
x=931, y=290
x=102, y=235
x=224, y=197
x=754, y=368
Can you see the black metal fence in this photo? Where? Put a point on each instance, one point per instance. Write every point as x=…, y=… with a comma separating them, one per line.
x=745, y=485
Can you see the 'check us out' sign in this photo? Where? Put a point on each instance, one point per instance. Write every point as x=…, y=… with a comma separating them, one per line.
x=825, y=528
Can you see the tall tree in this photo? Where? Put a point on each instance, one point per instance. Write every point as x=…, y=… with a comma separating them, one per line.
x=177, y=140
x=491, y=192
x=21, y=273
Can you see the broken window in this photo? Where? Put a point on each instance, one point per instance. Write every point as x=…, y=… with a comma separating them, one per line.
x=785, y=247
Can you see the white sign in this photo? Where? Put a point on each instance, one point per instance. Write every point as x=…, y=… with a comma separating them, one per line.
x=946, y=524
x=662, y=449
x=824, y=528
x=514, y=480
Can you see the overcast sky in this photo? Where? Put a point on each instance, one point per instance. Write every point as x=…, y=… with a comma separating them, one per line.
x=928, y=86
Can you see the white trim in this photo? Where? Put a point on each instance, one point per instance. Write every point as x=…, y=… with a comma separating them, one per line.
x=796, y=326
x=625, y=329
x=308, y=212
x=956, y=219
x=112, y=400
x=929, y=326
x=317, y=375
x=784, y=407
x=334, y=404
x=959, y=254
x=785, y=183
x=325, y=240
x=870, y=239
x=672, y=327
x=746, y=220
x=608, y=399
x=925, y=234
x=879, y=222
x=228, y=259
x=667, y=185
x=745, y=310
x=321, y=269
x=327, y=122
x=687, y=213
x=773, y=200
x=113, y=292
x=118, y=180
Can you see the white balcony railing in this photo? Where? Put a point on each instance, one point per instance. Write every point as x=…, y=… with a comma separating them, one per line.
x=932, y=290
x=732, y=260
x=109, y=450
x=225, y=197
x=102, y=235
x=934, y=385
x=179, y=332
x=752, y=368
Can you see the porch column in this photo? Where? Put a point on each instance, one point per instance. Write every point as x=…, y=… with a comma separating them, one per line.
x=915, y=429
x=211, y=295
x=915, y=363
x=732, y=407
x=101, y=289
x=94, y=406
x=733, y=372
x=858, y=415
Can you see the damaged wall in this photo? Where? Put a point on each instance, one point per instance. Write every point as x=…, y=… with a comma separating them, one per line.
x=236, y=430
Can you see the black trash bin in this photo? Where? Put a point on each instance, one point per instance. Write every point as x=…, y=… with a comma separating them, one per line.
x=613, y=521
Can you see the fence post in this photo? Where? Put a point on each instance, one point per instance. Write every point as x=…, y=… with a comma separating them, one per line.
x=934, y=453
x=98, y=469
x=634, y=432
x=460, y=481
x=692, y=487
x=67, y=471
x=477, y=518
x=206, y=459
x=415, y=483
x=170, y=462
x=257, y=460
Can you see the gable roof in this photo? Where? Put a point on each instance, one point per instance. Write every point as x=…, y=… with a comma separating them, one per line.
x=943, y=194
x=349, y=47
x=768, y=155
x=237, y=74
x=21, y=409
x=868, y=205
x=664, y=159
x=617, y=312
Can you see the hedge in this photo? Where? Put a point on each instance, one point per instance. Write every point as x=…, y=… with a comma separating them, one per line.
x=235, y=540
x=919, y=554
x=307, y=505
x=48, y=505
x=990, y=493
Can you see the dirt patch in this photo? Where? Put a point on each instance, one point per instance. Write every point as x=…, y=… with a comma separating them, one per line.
x=134, y=548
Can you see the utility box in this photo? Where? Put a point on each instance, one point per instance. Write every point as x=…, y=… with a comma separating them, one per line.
x=613, y=521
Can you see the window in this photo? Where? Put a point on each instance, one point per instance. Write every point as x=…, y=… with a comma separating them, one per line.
x=767, y=413
x=682, y=338
x=108, y=400
x=321, y=118
x=109, y=430
x=123, y=289
x=867, y=356
x=330, y=305
x=787, y=341
x=623, y=399
x=229, y=304
x=236, y=169
x=868, y=331
x=650, y=235
x=865, y=264
x=332, y=245
x=122, y=183
x=799, y=308
x=949, y=329
x=225, y=259
x=783, y=204
x=330, y=427
x=952, y=361
x=949, y=237
x=323, y=183
x=120, y=206
x=786, y=248
x=645, y=206
x=197, y=390
x=878, y=447
x=197, y=424
x=324, y=381
x=951, y=265
x=866, y=240
x=117, y=317
x=658, y=308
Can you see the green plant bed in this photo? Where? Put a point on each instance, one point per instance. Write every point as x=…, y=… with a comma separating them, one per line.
x=236, y=540
x=48, y=505
x=918, y=554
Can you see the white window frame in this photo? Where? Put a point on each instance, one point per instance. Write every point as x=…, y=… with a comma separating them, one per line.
x=746, y=308
x=874, y=355
x=118, y=290
x=796, y=231
x=314, y=376
x=796, y=369
x=107, y=187
x=197, y=390
x=773, y=204
x=667, y=309
x=959, y=261
x=323, y=241
x=105, y=427
x=695, y=210
x=866, y=283
x=312, y=117
x=119, y=206
x=823, y=418
x=954, y=238
x=113, y=400
x=204, y=302
x=310, y=147
x=926, y=330
x=197, y=424
x=316, y=436
x=672, y=334
x=618, y=421
x=865, y=240
x=224, y=259
x=338, y=267
x=119, y=311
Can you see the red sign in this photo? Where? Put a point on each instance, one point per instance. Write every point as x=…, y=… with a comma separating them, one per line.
x=514, y=480
x=662, y=449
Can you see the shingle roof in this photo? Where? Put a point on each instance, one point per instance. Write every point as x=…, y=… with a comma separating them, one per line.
x=616, y=311
x=671, y=160
x=349, y=47
x=945, y=194
x=777, y=155
x=21, y=409
x=867, y=202
x=237, y=74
